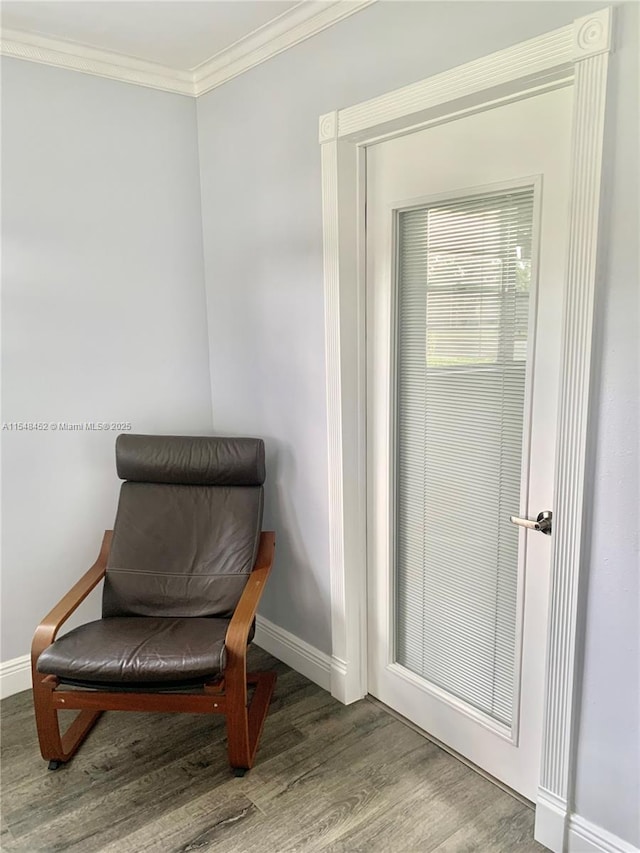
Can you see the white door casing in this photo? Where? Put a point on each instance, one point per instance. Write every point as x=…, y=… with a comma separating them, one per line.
x=576, y=55
x=523, y=144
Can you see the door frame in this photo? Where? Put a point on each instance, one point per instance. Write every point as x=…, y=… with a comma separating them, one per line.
x=576, y=55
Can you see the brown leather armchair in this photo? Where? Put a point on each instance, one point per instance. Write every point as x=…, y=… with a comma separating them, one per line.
x=183, y=569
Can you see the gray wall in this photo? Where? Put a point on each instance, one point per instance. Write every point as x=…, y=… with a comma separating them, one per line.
x=103, y=311
x=260, y=170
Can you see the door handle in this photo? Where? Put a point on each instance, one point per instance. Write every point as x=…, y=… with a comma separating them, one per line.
x=542, y=523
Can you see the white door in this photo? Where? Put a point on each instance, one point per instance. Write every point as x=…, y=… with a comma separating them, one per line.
x=466, y=256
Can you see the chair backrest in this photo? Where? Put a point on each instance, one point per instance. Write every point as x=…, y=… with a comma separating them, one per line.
x=188, y=525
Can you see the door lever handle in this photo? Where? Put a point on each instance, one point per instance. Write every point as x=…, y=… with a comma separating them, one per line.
x=542, y=523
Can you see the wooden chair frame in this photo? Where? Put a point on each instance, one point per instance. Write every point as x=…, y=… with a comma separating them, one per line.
x=226, y=696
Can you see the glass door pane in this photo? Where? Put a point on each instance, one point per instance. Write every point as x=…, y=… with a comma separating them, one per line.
x=463, y=279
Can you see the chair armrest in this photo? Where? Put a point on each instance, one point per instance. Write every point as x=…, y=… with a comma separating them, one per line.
x=244, y=614
x=46, y=631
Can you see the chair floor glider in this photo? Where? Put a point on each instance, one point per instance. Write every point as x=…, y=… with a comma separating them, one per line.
x=183, y=570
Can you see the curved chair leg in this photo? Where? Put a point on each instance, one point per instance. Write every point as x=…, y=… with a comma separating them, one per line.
x=54, y=747
x=244, y=724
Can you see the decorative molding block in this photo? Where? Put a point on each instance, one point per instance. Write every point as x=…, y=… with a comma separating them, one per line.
x=340, y=688
x=99, y=63
x=551, y=820
x=305, y=659
x=15, y=676
x=592, y=34
x=302, y=21
x=328, y=127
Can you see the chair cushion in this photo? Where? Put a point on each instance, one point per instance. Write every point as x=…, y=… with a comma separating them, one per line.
x=181, y=551
x=139, y=650
x=190, y=460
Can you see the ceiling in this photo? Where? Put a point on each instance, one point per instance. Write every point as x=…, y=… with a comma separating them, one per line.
x=179, y=35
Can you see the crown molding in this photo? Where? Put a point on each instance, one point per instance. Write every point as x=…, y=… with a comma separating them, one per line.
x=90, y=60
x=292, y=27
x=299, y=23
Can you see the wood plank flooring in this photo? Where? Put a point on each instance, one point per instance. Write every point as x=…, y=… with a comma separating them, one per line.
x=328, y=778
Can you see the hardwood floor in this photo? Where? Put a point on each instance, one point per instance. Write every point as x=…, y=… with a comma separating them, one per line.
x=327, y=778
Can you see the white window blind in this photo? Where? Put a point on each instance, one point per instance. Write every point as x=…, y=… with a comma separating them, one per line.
x=464, y=270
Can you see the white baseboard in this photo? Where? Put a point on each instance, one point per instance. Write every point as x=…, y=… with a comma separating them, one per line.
x=15, y=676
x=582, y=836
x=586, y=837
x=305, y=659
x=328, y=672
